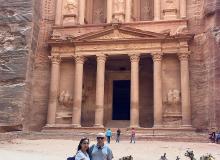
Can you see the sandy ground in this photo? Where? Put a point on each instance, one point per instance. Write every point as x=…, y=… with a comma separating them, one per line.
x=143, y=150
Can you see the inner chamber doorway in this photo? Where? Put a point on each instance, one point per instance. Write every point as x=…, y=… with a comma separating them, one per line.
x=121, y=100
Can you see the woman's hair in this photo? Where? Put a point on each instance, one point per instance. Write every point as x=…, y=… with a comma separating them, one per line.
x=80, y=144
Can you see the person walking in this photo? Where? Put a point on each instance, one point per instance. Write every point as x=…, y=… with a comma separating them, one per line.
x=118, y=133
x=132, y=135
x=108, y=134
x=100, y=151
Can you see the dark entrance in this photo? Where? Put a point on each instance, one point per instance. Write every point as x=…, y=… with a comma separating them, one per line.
x=121, y=100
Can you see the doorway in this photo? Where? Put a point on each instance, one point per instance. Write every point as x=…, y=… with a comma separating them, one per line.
x=121, y=100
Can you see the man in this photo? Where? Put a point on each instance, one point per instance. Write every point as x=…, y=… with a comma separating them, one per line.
x=108, y=135
x=100, y=151
x=118, y=133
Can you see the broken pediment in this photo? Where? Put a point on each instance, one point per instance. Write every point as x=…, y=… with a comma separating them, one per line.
x=119, y=33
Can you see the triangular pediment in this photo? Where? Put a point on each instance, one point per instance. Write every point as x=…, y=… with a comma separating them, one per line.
x=119, y=33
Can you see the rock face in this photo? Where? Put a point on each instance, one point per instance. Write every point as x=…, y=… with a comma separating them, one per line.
x=25, y=69
x=15, y=29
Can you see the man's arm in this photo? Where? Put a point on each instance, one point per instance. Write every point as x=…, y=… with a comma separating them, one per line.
x=110, y=155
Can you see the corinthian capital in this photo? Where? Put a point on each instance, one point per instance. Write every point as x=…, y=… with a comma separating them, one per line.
x=101, y=58
x=183, y=56
x=55, y=59
x=157, y=56
x=79, y=59
x=134, y=57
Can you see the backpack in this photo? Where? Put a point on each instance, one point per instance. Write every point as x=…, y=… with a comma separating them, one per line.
x=71, y=158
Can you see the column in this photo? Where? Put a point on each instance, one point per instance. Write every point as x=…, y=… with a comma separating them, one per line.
x=81, y=11
x=156, y=10
x=185, y=90
x=109, y=11
x=183, y=9
x=157, y=58
x=100, y=82
x=77, y=101
x=128, y=11
x=54, y=89
x=58, y=12
x=134, y=113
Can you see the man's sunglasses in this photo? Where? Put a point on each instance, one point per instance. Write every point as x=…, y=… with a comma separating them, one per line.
x=100, y=137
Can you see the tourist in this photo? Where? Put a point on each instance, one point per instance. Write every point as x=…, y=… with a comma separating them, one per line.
x=212, y=137
x=100, y=151
x=83, y=150
x=132, y=135
x=118, y=133
x=108, y=134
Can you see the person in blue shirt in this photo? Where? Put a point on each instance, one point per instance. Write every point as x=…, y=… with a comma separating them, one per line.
x=108, y=134
x=100, y=151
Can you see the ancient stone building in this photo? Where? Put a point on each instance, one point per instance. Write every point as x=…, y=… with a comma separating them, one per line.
x=98, y=63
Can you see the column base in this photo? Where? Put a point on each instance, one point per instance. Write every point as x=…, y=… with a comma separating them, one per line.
x=98, y=126
x=134, y=126
x=186, y=126
x=158, y=126
x=76, y=125
x=50, y=125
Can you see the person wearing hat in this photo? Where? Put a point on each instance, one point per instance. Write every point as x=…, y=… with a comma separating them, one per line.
x=100, y=151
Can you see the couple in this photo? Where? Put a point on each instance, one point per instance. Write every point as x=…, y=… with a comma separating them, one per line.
x=98, y=151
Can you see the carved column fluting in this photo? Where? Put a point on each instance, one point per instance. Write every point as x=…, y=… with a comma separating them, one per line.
x=157, y=59
x=58, y=12
x=81, y=11
x=134, y=113
x=128, y=11
x=185, y=90
x=54, y=89
x=109, y=11
x=183, y=9
x=157, y=10
x=100, y=82
x=77, y=101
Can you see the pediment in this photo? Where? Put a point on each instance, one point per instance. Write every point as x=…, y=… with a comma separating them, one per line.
x=119, y=33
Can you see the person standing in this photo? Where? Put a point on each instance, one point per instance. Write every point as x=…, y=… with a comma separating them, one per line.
x=132, y=135
x=108, y=134
x=83, y=150
x=118, y=133
x=100, y=151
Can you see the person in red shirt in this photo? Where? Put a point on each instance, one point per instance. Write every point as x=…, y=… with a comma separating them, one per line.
x=132, y=135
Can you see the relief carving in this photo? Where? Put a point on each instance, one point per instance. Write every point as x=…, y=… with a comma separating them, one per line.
x=172, y=103
x=65, y=99
x=170, y=9
x=71, y=12
x=119, y=11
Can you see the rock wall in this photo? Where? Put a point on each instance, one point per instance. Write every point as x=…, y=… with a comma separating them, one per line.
x=204, y=65
x=25, y=68
x=15, y=35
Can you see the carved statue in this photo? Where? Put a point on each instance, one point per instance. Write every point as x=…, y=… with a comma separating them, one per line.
x=119, y=6
x=173, y=96
x=65, y=98
x=170, y=4
x=71, y=6
x=119, y=11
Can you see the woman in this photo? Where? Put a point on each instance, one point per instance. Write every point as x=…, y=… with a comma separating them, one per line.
x=83, y=150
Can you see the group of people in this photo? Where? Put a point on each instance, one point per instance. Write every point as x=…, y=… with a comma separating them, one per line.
x=118, y=134
x=99, y=151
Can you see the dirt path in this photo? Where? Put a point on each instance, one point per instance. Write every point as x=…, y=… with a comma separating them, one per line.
x=143, y=150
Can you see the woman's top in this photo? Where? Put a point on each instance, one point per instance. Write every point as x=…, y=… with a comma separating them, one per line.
x=81, y=156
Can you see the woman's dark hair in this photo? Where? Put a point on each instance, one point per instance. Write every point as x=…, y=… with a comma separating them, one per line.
x=80, y=143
